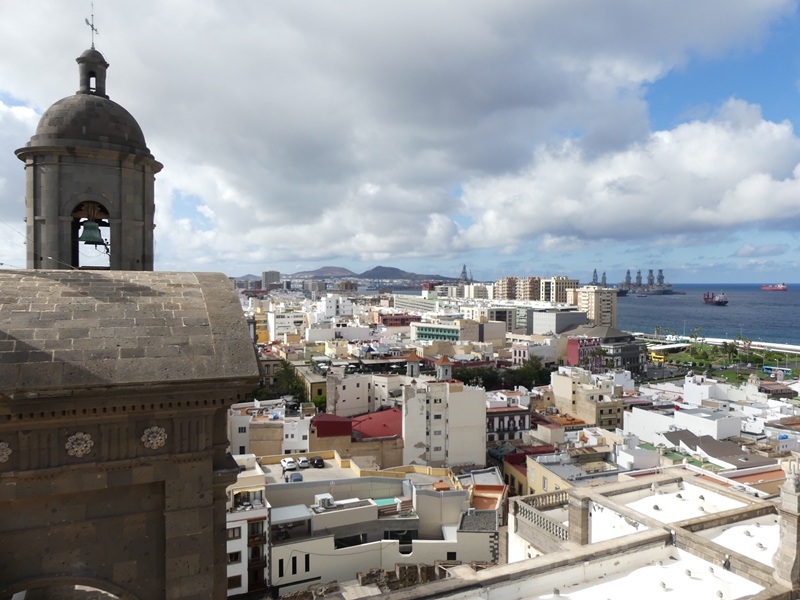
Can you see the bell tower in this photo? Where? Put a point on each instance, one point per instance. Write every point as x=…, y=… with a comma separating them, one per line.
x=90, y=179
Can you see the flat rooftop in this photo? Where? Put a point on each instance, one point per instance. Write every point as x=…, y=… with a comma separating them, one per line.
x=677, y=501
x=755, y=538
x=679, y=573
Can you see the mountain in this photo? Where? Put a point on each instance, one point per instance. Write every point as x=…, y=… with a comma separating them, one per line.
x=326, y=272
x=394, y=273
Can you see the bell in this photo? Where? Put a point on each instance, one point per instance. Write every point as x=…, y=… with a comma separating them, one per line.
x=91, y=234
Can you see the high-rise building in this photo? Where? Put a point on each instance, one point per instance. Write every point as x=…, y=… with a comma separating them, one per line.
x=529, y=288
x=599, y=304
x=555, y=288
x=268, y=277
x=505, y=288
x=90, y=178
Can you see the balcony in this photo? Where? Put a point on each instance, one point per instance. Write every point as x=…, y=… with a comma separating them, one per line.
x=258, y=562
x=258, y=539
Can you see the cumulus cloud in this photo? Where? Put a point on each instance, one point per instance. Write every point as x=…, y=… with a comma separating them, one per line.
x=698, y=177
x=371, y=131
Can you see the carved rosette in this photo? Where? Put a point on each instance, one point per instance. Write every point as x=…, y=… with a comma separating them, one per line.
x=79, y=444
x=5, y=452
x=154, y=437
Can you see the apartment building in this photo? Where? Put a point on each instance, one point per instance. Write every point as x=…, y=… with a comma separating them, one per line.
x=444, y=424
x=247, y=523
x=555, y=289
x=325, y=529
x=595, y=400
x=270, y=277
x=529, y=288
x=599, y=304
x=261, y=427
x=286, y=323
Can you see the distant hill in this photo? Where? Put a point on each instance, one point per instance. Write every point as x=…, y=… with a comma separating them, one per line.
x=394, y=273
x=248, y=277
x=326, y=272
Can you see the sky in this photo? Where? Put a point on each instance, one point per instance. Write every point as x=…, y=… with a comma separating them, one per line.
x=530, y=137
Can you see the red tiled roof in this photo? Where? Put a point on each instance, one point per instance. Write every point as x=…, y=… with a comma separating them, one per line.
x=384, y=423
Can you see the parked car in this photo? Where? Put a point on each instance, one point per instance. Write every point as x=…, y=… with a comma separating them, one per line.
x=302, y=462
x=295, y=477
x=317, y=462
x=288, y=464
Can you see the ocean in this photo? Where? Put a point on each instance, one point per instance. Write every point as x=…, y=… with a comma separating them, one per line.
x=756, y=314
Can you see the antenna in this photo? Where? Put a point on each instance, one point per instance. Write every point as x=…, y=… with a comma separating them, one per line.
x=92, y=27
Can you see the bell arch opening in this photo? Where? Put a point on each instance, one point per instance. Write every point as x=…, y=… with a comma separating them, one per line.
x=91, y=236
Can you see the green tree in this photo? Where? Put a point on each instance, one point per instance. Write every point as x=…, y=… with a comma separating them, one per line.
x=288, y=381
x=487, y=377
x=321, y=402
x=529, y=374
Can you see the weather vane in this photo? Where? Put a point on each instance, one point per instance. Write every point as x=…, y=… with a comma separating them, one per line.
x=91, y=26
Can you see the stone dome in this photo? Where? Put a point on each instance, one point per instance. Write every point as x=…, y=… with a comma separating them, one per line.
x=89, y=119
x=83, y=118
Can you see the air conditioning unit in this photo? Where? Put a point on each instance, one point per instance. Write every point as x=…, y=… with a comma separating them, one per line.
x=323, y=500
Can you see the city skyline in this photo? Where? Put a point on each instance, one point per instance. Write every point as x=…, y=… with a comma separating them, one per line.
x=518, y=138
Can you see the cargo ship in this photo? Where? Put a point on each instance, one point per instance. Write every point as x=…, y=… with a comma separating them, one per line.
x=775, y=287
x=716, y=299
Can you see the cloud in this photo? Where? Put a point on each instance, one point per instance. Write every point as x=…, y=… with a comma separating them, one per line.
x=749, y=250
x=701, y=176
x=321, y=132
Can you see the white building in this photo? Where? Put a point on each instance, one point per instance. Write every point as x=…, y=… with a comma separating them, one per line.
x=444, y=424
x=650, y=425
x=247, y=521
x=286, y=323
x=325, y=530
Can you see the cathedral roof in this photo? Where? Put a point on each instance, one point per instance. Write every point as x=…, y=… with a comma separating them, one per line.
x=83, y=329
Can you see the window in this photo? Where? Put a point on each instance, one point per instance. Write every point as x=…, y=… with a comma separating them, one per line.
x=235, y=533
x=319, y=391
x=294, y=565
x=286, y=437
x=280, y=568
x=234, y=582
x=255, y=528
x=358, y=385
x=437, y=416
x=437, y=448
x=242, y=429
x=544, y=483
x=234, y=557
x=344, y=387
x=437, y=400
x=305, y=437
x=241, y=450
x=437, y=432
x=451, y=556
x=308, y=563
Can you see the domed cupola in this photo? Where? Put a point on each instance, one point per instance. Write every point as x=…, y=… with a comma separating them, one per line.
x=88, y=164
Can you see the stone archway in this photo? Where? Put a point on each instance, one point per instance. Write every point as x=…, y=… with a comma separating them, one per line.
x=93, y=212
x=65, y=589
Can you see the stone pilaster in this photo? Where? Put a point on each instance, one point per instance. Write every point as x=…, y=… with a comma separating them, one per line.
x=579, y=523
